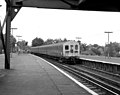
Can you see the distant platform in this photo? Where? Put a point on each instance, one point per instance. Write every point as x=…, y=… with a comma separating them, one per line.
x=104, y=59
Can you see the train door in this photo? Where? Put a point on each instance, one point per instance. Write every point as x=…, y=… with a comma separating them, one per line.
x=66, y=50
x=71, y=53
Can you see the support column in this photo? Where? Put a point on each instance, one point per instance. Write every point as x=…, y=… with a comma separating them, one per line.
x=7, y=38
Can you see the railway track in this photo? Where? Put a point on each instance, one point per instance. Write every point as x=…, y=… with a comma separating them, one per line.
x=95, y=82
x=105, y=80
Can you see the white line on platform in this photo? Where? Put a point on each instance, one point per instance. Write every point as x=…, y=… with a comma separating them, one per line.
x=77, y=82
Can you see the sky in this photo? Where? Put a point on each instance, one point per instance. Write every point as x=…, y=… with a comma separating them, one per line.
x=55, y=23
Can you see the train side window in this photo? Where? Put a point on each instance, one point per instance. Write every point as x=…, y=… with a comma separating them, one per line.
x=66, y=47
x=76, y=47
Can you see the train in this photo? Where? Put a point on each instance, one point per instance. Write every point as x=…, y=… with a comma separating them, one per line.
x=67, y=52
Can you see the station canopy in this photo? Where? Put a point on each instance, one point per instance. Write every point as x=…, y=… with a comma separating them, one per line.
x=92, y=5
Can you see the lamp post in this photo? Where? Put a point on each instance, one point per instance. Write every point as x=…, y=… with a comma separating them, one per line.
x=108, y=42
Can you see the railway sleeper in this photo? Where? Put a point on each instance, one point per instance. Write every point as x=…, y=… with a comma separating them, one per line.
x=101, y=93
x=105, y=85
x=92, y=87
x=101, y=78
x=97, y=90
x=96, y=82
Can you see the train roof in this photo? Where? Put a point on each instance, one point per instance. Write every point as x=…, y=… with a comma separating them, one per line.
x=57, y=44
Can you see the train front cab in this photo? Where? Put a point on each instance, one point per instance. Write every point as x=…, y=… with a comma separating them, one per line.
x=71, y=51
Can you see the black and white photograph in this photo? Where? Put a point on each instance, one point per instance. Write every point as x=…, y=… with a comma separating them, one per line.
x=59, y=47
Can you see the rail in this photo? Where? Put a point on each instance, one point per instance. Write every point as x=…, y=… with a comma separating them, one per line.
x=100, y=87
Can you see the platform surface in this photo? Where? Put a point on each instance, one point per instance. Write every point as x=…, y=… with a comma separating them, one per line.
x=29, y=75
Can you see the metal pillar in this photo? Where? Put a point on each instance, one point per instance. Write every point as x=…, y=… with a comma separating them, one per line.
x=7, y=37
x=10, y=14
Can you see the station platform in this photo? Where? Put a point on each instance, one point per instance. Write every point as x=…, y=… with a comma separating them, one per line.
x=31, y=75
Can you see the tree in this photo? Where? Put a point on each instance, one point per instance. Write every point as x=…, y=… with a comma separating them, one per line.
x=22, y=44
x=37, y=42
x=96, y=51
x=116, y=46
x=90, y=49
x=12, y=42
x=84, y=47
x=113, y=49
x=95, y=45
x=101, y=50
x=57, y=40
x=65, y=40
x=49, y=41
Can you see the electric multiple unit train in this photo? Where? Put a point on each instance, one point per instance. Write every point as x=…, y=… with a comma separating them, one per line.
x=63, y=51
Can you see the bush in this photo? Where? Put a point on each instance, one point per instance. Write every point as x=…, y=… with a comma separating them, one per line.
x=118, y=55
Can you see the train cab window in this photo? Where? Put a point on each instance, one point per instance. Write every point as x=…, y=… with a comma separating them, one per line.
x=66, y=47
x=76, y=47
